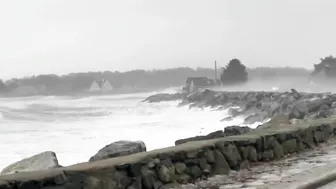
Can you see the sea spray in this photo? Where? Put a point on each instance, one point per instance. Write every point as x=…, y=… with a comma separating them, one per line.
x=77, y=127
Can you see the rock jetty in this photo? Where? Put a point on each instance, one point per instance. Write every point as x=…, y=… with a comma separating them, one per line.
x=258, y=106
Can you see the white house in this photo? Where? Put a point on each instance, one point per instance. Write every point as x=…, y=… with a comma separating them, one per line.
x=106, y=86
x=195, y=83
x=94, y=87
x=102, y=85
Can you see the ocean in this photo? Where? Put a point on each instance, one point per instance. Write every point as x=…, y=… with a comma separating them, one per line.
x=75, y=128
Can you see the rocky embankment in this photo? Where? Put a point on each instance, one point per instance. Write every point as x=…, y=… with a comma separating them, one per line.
x=260, y=106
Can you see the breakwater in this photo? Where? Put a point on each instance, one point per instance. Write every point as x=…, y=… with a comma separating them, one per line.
x=183, y=163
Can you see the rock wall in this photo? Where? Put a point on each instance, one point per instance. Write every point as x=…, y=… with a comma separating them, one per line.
x=182, y=163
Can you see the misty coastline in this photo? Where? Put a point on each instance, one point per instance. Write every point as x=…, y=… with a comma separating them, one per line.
x=78, y=84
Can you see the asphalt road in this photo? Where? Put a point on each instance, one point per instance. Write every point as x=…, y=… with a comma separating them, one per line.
x=298, y=171
x=331, y=185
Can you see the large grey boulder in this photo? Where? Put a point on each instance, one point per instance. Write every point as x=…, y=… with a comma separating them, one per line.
x=299, y=111
x=276, y=121
x=42, y=161
x=233, y=112
x=163, y=97
x=236, y=130
x=315, y=105
x=119, y=148
x=256, y=117
x=213, y=135
x=296, y=94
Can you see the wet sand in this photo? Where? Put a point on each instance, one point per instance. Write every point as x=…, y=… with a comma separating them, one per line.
x=273, y=174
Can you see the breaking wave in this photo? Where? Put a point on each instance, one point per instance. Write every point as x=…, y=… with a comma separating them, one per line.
x=77, y=127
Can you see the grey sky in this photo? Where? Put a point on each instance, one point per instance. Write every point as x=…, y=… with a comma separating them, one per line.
x=61, y=36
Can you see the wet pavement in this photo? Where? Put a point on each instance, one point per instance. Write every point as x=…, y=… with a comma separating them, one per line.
x=331, y=185
x=275, y=173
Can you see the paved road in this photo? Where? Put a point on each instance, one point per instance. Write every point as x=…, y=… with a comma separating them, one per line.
x=289, y=173
x=331, y=185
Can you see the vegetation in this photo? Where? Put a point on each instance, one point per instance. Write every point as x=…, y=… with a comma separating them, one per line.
x=327, y=66
x=79, y=82
x=136, y=80
x=234, y=73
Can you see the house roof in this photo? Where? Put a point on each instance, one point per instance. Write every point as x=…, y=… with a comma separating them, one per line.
x=199, y=81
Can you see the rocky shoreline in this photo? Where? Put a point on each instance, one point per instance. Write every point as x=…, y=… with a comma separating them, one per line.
x=258, y=106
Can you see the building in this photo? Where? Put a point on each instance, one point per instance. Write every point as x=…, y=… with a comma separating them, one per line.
x=106, y=86
x=94, y=87
x=195, y=83
x=101, y=86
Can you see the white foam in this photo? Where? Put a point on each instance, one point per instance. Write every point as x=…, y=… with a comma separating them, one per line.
x=76, y=138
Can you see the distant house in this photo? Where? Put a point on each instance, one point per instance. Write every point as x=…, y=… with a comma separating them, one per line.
x=195, y=83
x=106, y=86
x=94, y=87
x=101, y=86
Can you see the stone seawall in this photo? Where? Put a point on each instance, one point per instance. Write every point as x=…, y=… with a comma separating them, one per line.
x=181, y=164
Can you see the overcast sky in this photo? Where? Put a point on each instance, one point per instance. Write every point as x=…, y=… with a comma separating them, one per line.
x=62, y=36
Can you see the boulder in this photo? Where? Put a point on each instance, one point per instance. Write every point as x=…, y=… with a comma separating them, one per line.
x=276, y=121
x=202, y=96
x=333, y=105
x=233, y=112
x=213, y=135
x=315, y=105
x=236, y=130
x=322, y=114
x=119, y=148
x=163, y=97
x=230, y=118
x=257, y=117
x=42, y=161
x=299, y=111
x=295, y=94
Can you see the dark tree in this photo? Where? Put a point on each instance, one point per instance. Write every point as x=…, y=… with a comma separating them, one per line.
x=327, y=66
x=234, y=73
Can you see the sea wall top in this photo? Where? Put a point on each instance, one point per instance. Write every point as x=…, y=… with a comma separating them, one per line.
x=182, y=163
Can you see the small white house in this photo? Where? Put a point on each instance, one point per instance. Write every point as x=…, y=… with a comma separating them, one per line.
x=195, y=83
x=106, y=86
x=101, y=85
x=94, y=87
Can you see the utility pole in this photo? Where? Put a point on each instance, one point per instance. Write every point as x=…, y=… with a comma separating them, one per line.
x=215, y=71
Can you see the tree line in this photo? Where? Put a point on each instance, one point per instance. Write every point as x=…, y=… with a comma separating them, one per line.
x=49, y=84
x=237, y=73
